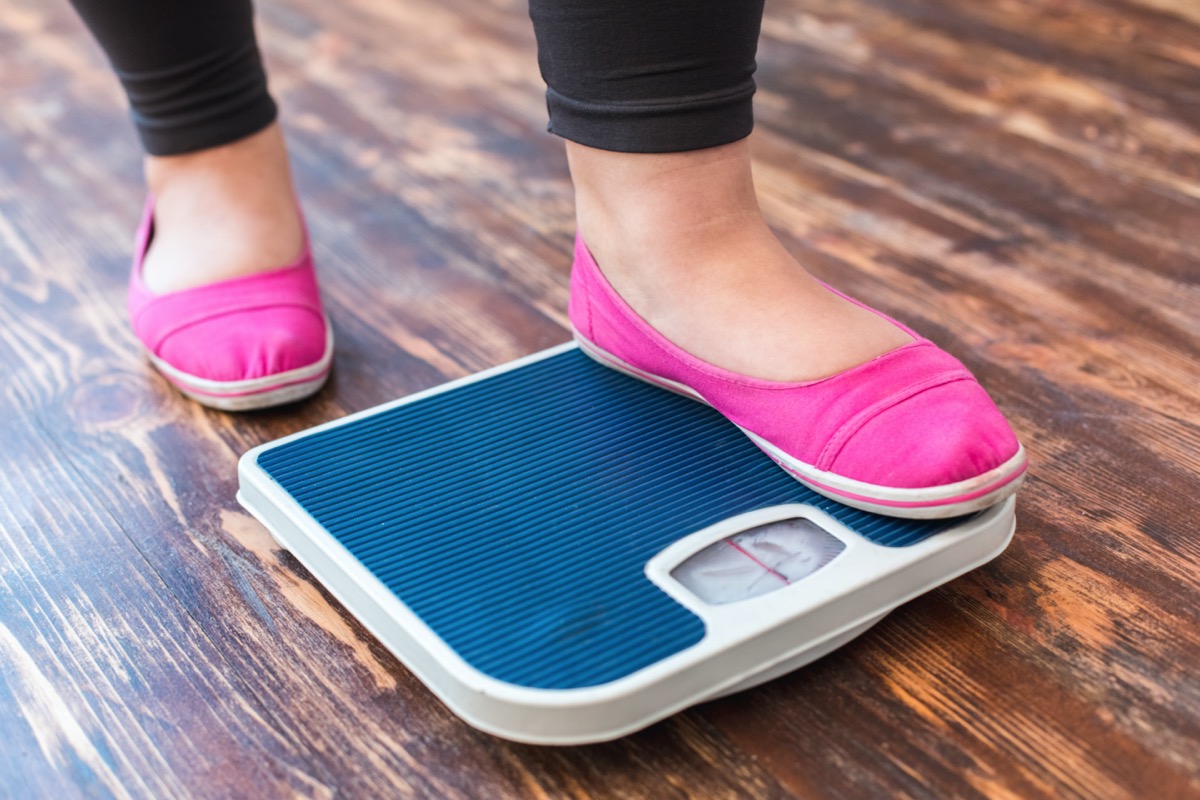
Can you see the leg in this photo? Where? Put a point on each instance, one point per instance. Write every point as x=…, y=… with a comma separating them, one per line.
x=223, y=208
x=215, y=157
x=681, y=281
x=656, y=133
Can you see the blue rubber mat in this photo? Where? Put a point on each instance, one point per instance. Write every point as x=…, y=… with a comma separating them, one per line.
x=514, y=515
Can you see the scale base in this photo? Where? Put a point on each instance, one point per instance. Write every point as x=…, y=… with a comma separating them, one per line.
x=518, y=539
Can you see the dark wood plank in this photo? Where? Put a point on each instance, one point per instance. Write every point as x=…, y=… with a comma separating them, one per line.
x=110, y=687
x=1018, y=179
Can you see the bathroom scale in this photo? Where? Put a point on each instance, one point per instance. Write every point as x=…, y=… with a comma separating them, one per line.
x=565, y=554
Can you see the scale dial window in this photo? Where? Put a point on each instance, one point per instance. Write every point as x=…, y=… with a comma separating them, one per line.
x=758, y=561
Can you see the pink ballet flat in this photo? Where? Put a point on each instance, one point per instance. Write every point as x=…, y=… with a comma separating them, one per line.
x=240, y=344
x=910, y=433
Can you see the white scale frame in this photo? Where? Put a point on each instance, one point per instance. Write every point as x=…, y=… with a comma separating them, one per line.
x=746, y=642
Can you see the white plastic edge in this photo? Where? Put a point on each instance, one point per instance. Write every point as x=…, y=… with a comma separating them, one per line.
x=742, y=639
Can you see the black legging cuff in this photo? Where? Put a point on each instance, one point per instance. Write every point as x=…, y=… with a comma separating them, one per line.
x=206, y=102
x=648, y=76
x=191, y=70
x=641, y=76
x=645, y=127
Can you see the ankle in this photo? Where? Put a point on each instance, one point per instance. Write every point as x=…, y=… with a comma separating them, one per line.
x=221, y=213
x=228, y=186
x=259, y=158
x=646, y=204
x=658, y=223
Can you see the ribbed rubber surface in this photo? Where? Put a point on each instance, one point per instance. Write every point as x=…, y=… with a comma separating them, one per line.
x=515, y=515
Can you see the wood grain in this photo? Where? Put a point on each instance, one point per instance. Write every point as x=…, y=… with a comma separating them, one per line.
x=1019, y=179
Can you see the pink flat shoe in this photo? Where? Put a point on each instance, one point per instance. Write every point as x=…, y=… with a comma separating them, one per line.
x=240, y=344
x=910, y=433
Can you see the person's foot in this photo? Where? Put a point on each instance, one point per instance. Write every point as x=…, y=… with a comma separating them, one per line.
x=680, y=237
x=678, y=281
x=222, y=213
x=223, y=294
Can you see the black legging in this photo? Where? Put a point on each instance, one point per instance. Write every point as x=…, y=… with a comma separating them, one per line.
x=638, y=76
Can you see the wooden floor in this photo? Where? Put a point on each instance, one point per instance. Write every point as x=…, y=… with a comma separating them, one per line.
x=1019, y=179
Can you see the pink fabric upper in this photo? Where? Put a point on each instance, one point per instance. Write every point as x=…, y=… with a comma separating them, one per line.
x=914, y=417
x=234, y=330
